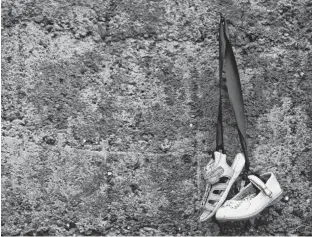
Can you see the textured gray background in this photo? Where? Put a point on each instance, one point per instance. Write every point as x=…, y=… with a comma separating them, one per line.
x=109, y=111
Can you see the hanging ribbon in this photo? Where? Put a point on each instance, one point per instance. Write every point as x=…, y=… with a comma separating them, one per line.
x=228, y=62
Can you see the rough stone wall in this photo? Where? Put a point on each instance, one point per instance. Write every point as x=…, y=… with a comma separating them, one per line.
x=109, y=111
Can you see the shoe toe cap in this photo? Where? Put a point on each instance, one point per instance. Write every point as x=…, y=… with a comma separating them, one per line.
x=222, y=213
x=230, y=211
x=205, y=216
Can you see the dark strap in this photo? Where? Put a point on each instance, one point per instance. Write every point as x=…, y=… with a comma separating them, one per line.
x=227, y=60
x=222, y=43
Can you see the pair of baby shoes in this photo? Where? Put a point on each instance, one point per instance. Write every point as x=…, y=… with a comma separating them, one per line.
x=249, y=202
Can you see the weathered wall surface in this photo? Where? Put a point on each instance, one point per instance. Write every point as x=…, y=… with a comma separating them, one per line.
x=109, y=111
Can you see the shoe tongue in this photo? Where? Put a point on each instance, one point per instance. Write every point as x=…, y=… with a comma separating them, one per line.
x=218, y=158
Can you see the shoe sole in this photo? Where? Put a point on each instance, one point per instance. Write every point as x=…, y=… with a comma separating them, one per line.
x=237, y=166
x=274, y=201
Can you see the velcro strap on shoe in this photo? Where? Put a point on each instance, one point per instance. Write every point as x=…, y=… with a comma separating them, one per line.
x=217, y=169
x=214, y=197
x=209, y=167
x=220, y=186
x=260, y=185
x=214, y=176
x=209, y=207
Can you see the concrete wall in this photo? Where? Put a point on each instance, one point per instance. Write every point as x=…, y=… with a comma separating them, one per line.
x=109, y=112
